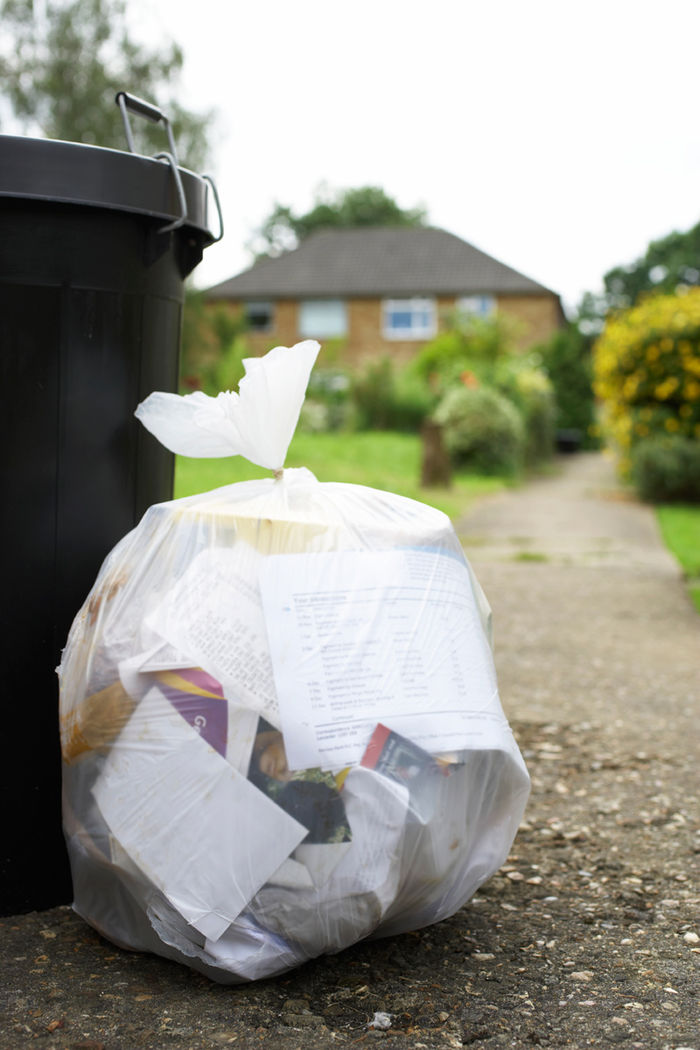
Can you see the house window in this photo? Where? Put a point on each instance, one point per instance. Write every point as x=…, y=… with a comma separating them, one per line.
x=477, y=305
x=322, y=318
x=409, y=318
x=259, y=316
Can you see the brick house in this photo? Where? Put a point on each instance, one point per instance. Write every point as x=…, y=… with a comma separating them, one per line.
x=377, y=290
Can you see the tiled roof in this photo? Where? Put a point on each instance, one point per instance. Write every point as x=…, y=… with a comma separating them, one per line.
x=373, y=261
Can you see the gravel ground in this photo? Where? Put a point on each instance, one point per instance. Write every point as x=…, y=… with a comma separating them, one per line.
x=589, y=935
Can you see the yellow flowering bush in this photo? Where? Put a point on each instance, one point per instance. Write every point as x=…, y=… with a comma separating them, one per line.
x=647, y=371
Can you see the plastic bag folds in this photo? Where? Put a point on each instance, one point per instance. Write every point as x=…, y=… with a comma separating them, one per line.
x=280, y=721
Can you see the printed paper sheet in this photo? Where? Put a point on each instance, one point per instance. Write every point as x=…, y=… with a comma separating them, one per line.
x=358, y=638
x=200, y=832
x=214, y=615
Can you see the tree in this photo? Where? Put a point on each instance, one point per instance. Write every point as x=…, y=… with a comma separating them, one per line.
x=364, y=206
x=62, y=63
x=668, y=266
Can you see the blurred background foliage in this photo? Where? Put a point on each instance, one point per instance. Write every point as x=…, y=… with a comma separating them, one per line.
x=647, y=376
x=62, y=63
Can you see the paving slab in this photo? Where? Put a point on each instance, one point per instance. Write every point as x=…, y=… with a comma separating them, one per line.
x=589, y=935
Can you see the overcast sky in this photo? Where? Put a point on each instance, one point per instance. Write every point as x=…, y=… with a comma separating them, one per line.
x=558, y=136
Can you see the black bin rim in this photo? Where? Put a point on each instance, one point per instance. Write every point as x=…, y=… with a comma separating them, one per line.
x=76, y=173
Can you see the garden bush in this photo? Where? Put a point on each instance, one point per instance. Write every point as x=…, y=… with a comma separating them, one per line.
x=566, y=358
x=483, y=429
x=209, y=332
x=471, y=344
x=385, y=398
x=647, y=372
x=478, y=352
x=534, y=396
x=328, y=404
x=522, y=381
x=667, y=469
x=225, y=370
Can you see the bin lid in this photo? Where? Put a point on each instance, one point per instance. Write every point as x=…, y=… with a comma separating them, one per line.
x=75, y=173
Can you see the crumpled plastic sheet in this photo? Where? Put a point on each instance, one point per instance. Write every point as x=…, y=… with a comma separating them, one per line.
x=280, y=723
x=171, y=701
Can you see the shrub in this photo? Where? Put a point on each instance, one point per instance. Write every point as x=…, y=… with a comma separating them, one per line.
x=647, y=371
x=469, y=343
x=372, y=392
x=667, y=469
x=566, y=359
x=327, y=405
x=225, y=371
x=526, y=385
x=478, y=351
x=386, y=400
x=209, y=330
x=413, y=401
x=535, y=398
x=483, y=430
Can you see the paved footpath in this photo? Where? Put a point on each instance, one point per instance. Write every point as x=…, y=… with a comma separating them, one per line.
x=589, y=935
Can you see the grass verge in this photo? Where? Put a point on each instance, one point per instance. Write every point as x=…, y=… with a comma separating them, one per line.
x=680, y=528
x=379, y=459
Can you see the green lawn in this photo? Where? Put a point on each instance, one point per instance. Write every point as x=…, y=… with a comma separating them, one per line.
x=379, y=459
x=680, y=527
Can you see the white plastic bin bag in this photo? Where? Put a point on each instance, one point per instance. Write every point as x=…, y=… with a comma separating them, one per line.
x=280, y=722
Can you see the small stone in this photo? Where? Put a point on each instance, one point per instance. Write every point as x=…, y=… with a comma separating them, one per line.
x=515, y=876
x=381, y=1020
x=295, y=1006
x=303, y=1020
x=581, y=975
x=691, y=938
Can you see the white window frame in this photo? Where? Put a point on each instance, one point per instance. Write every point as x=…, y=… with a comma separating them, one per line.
x=330, y=322
x=477, y=305
x=415, y=306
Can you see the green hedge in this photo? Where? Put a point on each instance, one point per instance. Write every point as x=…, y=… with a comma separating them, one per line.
x=667, y=469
